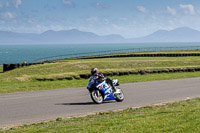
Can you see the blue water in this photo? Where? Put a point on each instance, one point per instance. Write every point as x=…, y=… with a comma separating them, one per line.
x=30, y=53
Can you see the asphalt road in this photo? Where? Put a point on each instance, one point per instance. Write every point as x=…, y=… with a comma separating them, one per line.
x=29, y=107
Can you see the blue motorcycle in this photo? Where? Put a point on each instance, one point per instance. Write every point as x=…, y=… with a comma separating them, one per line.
x=100, y=92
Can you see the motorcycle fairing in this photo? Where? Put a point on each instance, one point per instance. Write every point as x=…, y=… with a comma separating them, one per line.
x=107, y=91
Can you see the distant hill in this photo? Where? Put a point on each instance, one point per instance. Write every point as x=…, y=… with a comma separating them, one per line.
x=183, y=34
x=57, y=37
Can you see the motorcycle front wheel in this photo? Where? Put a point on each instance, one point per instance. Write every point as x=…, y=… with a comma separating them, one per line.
x=119, y=96
x=96, y=96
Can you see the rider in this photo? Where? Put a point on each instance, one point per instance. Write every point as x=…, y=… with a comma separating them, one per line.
x=99, y=77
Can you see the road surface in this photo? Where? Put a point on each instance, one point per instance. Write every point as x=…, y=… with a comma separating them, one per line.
x=29, y=107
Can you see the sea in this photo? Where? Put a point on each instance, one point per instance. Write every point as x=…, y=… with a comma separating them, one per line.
x=30, y=53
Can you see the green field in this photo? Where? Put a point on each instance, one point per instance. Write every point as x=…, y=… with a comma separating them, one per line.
x=76, y=67
x=24, y=79
x=183, y=116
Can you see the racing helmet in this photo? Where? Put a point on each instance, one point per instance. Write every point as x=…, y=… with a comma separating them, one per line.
x=94, y=71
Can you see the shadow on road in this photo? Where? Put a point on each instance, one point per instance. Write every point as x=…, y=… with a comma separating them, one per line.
x=83, y=103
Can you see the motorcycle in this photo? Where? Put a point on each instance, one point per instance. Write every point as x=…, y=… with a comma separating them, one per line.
x=101, y=92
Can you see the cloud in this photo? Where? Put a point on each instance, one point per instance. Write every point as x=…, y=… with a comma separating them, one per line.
x=55, y=18
x=117, y=27
x=92, y=19
x=171, y=11
x=13, y=3
x=142, y=9
x=153, y=17
x=106, y=21
x=68, y=3
x=99, y=6
x=31, y=21
x=123, y=19
x=188, y=9
x=42, y=28
x=7, y=15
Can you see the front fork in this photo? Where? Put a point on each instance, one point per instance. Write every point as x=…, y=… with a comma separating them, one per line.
x=97, y=93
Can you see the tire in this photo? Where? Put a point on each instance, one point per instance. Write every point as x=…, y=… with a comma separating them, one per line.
x=120, y=96
x=96, y=99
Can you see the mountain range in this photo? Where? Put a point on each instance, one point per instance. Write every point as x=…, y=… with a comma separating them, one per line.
x=183, y=34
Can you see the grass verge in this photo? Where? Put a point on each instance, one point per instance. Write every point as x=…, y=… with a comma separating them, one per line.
x=1, y=69
x=144, y=52
x=8, y=87
x=183, y=116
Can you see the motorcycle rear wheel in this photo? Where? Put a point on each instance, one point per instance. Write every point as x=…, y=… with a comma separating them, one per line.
x=96, y=96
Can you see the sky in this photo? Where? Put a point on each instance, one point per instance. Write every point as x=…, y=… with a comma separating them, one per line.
x=129, y=18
